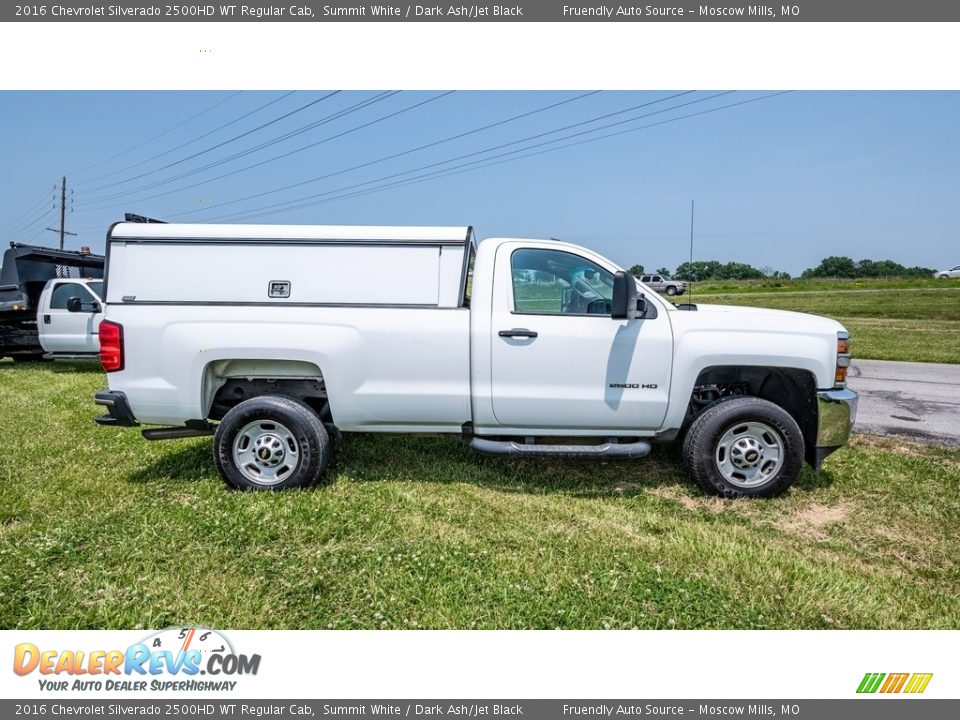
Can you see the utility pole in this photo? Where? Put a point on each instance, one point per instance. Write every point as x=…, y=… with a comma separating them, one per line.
x=63, y=208
x=691, y=245
x=63, y=213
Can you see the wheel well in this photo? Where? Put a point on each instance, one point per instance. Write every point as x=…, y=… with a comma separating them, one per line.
x=793, y=390
x=227, y=383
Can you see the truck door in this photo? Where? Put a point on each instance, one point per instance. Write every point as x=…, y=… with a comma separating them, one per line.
x=559, y=361
x=66, y=332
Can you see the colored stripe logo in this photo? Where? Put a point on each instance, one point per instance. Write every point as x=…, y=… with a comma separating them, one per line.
x=894, y=683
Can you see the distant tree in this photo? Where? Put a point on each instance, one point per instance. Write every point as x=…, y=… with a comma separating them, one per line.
x=664, y=271
x=636, y=270
x=739, y=271
x=698, y=270
x=833, y=266
x=844, y=267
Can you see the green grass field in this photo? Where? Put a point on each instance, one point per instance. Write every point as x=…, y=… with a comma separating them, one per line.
x=916, y=320
x=100, y=529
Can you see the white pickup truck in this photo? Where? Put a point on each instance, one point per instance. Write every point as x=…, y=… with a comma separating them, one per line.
x=68, y=318
x=273, y=337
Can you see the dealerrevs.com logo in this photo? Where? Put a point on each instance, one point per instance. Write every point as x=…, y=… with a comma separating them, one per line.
x=173, y=659
x=891, y=683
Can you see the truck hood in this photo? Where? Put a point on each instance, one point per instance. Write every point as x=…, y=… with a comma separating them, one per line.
x=719, y=335
x=746, y=317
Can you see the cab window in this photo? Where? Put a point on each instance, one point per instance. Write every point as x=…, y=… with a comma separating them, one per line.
x=468, y=280
x=557, y=282
x=65, y=291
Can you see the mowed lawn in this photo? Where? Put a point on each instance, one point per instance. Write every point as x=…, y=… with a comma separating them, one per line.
x=898, y=320
x=101, y=529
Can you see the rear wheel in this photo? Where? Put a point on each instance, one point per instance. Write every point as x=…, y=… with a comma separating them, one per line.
x=271, y=443
x=744, y=447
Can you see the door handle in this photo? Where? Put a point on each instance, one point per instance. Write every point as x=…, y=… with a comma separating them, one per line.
x=46, y=319
x=518, y=332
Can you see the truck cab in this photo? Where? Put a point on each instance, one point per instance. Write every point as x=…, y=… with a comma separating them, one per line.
x=68, y=317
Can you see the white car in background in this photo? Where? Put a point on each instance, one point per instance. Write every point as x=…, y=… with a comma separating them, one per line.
x=953, y=272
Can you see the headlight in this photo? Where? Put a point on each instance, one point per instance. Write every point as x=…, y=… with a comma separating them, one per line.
x=843, y=359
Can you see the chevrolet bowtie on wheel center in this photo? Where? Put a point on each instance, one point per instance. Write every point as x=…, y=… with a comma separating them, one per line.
x=276, y=338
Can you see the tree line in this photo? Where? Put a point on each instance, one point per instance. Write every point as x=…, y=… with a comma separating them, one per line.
x=834, y=266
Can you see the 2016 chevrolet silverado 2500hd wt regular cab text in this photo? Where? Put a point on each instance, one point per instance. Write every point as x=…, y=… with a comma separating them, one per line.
x=273, y=337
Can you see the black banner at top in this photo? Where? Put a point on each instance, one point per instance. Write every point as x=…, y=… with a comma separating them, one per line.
x=522, y=11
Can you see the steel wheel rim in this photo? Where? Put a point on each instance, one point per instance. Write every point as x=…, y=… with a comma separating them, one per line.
x=266, y=452
x=748, y=454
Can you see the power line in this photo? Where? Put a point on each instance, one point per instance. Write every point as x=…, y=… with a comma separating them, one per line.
x=15, y=219
x=290, y=152
x=511, y=143
x=29, y=219
x=158, y=135
x=193, y=140
x=220, y=144
x=273, y=141
x=402, y=153
x=613, y=134
x=514, y=156
x=27, y=227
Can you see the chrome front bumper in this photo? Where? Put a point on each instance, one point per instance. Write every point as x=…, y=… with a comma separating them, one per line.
x=836, y=413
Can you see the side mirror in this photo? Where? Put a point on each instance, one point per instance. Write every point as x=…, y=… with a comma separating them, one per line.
x=626, y=304
x=74, y=304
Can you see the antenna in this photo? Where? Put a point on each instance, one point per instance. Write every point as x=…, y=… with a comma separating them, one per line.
x=691, y=247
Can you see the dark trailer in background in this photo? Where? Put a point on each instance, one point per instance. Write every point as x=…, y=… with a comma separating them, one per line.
x=24, y=272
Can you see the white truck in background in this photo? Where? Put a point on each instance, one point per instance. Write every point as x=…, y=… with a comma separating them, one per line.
x=50, y=303
x=68, y=318
x=273, y=337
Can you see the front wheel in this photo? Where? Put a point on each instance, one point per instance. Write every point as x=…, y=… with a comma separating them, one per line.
x=744, y=447
x=271, y=443
x=943, y=277
x=671, y=290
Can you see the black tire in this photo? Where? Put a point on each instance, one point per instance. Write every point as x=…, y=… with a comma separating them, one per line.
x=671, y=290
x=770, y=428
x=285, y=430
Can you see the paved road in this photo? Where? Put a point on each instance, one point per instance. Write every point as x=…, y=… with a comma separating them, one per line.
x=918, y=401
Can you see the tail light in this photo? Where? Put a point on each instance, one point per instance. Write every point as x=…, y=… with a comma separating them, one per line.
x=111, y=346
x=843, y=359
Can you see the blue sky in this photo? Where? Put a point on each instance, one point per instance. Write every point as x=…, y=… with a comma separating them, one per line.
x=779, y=182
